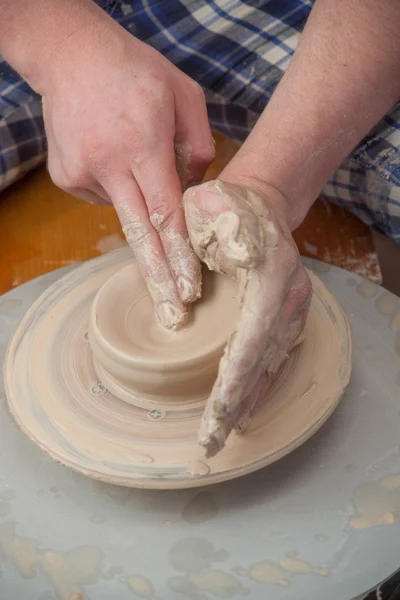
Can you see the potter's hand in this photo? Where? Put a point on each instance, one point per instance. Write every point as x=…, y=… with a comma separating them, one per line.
x=238, y=232
x=126, y=126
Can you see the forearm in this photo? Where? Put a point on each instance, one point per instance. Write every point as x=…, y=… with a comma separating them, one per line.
x=33, y=31
x=345, y=75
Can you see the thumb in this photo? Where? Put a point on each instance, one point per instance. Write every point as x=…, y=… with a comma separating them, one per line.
x=228, y=226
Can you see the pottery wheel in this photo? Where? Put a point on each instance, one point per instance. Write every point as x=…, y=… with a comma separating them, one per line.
x=73, y=396
x=306, y=527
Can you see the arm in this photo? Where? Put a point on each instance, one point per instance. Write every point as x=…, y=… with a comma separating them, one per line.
x=344, y=76
x=123, y=125
x=31, y=32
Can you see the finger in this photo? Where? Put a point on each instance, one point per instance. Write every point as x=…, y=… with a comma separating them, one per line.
x=146, y=245
x=194, y=144
x=161, y=189
x=251, y=352
x=90, y=196
x=252, y=402
x=271, y=319
x=79, y=182
x=229, y=229
x=292, y=320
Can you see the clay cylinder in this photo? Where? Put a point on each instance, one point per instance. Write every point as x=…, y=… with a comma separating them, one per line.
x=139, y=361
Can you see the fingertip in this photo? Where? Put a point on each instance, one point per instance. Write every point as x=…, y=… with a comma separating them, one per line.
x=209, y=198
x=171, y=316
x=189, y=291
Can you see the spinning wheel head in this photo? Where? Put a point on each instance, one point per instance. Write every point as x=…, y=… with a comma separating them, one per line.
x=96, y=383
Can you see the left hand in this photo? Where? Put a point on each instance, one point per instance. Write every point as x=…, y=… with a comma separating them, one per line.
x=245, y=233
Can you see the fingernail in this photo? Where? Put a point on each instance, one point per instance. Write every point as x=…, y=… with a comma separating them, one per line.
x=187, y=291
x=171, y=316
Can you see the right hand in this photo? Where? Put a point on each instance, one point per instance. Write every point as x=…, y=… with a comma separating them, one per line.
x=241, y=227
x=125, y=126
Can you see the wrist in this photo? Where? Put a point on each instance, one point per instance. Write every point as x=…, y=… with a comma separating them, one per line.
x=247, y=172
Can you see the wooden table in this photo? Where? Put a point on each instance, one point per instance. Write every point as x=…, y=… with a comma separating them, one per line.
x=43, y=228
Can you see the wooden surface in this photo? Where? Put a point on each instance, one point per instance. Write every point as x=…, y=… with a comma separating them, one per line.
x=42, y=228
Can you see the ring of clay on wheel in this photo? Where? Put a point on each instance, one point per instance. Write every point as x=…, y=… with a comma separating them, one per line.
x=98, y=384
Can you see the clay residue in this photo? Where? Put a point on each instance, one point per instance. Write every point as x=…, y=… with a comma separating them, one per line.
x=217, y=583
x=282, y=572
x=142, y=587
x=194, y=558
x=395, y=322
x=65, y=572
x=386, y=303
x=367, y=289
x=202, y=507
x=376, y=504
x=112, y=572
x=198, y=468
x=111, y=242
x=193, y=554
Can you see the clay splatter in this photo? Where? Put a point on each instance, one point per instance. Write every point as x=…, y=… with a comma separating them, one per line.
x=65, y=572
x=142, y=587
x=367, y=289
x=112, y=572
x=376, y=503
x=282, y=572
x=195, y=558
x=110, y=242
x=218, y=583
x=386, y=303
x=395, y=322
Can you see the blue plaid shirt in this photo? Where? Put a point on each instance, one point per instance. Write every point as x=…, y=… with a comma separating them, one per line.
x=237, y=51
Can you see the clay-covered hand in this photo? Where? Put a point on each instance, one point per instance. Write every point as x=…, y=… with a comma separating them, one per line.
x=236, y=231
x=126, y=126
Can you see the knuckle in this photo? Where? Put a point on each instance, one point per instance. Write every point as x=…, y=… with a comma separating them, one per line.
x=56, y=175
x=94, y=153
x=161, y=217
x=204, y=155
x=301, y=291
x=135, y=230
x=197, y=91
x=68, y=178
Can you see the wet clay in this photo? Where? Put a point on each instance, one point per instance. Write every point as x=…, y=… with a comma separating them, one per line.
x=144, y=364
x=69, y=393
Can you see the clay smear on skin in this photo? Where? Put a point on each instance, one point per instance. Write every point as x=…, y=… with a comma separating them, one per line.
x=241, y=240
